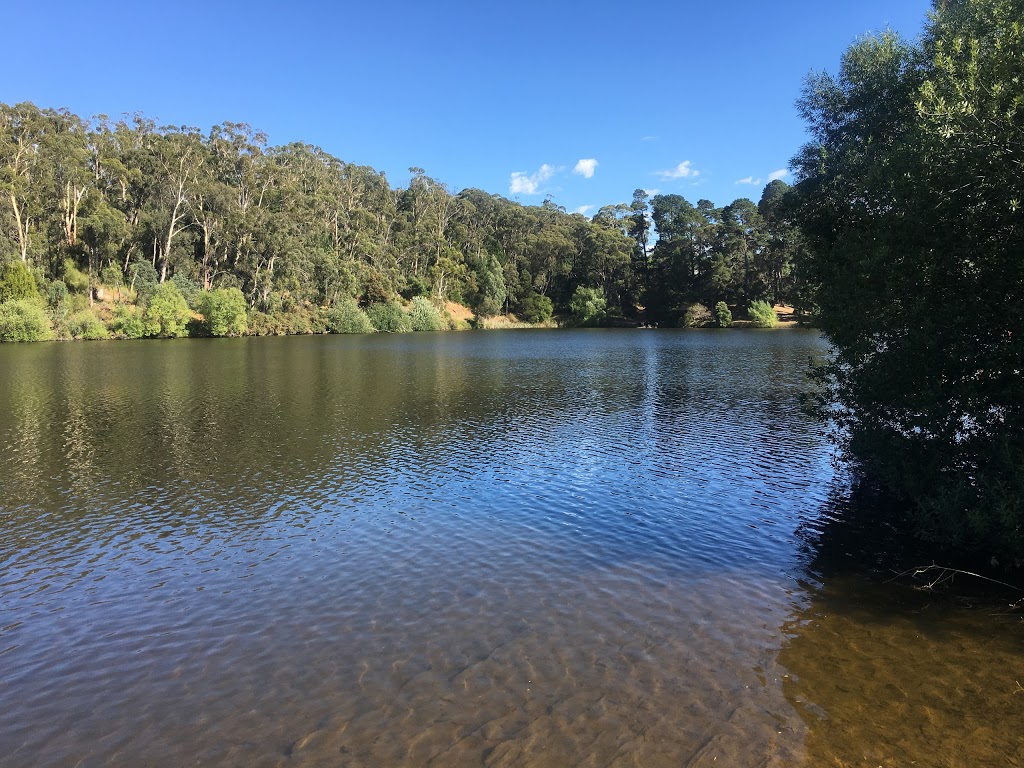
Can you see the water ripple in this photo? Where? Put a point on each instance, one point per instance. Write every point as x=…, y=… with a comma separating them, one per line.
x=483, y=549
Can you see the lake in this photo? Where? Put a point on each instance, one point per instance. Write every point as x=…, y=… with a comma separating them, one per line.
x=518, y=548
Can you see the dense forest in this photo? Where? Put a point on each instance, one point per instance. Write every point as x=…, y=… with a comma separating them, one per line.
x=129, y=229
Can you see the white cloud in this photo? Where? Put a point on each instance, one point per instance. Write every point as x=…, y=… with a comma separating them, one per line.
x=585, y=168
x=583, y=209
x=528, y=184
x=682, y=171
x=649, y=138
x=779, y=174
x=749, y=180
x=652, y=192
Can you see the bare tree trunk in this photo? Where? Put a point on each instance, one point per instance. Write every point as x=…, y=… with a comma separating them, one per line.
x=22, y=226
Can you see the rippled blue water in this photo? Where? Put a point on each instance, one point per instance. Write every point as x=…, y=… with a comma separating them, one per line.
x=501, y=548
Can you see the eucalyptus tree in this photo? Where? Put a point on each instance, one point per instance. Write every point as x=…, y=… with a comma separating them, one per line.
x=674, y=258
x=23, y=132
x=177, y=157
x=639, y=226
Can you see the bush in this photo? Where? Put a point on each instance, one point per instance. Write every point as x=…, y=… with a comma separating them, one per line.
x=696, y=316
x=24, y=320
x=86, y=325
x=144, y=279
x=190, y=290
x=128, y=323
x=306, y=318
x=75, y=279
x=762, y=314
x=224, y=312
x=16, y=282
x=347, y=317
x=424, y=316
x=167, y=313
x=112, y=276
x=389, y=318
x=536, y=309
x=414, y=286
x=56, y=293
x=588, y=306
x=723, y=317
x=262, y=324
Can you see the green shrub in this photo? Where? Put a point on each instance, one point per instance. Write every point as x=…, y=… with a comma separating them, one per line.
x=86, y=325
x=224, y=312
x=112, y=276
x=424, y=316
x=190, y=290
x=414, y=286
x=304, y=319
x=588, y=306
x=696, y=316
x=536, y=309
x=263, y=324
x=167, y=312
x=144, y=279
x=17, y=282
x=347, y=317
x=24, y=320
x=56, y=293
x=128, y=323
x=762, y=314
x=723, y=317
x=389, y=318
x=75, y=279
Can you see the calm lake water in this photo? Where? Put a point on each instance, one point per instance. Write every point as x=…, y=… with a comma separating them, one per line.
x=594, y=548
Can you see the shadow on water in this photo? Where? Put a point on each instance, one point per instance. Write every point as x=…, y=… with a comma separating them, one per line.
x=886, y=672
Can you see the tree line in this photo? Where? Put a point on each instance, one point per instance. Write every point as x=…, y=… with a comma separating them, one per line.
x=124, y=207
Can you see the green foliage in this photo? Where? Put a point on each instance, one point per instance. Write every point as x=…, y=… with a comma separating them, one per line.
x=491, y=289
x=192, y=292
x=86, y=325
x=535, y=309
x=264, y=324
x=723, y=315
x=347, y=317
x=76, y=280
x=389, y=318
x=24, y=320
x=588, y=306
x=424, y=316
x=414, y=286
x=143, y=278
x=224, y=312
x=167, y=313
x=56, y=294
x=292, y=227
x=112, y=276
x=128, y=322
x=762, y=314
x=696, y=316
x=910, y=200
x=17, y=282
x=299, y=321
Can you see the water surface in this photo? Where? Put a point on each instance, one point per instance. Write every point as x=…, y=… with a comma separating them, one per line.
x=502, y=548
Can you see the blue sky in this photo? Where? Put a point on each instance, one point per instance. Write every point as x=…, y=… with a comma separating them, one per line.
x=582, y=102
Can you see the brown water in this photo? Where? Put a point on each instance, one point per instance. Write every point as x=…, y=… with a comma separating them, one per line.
x=500, y=549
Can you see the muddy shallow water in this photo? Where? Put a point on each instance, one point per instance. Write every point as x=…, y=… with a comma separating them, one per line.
x=503, y=548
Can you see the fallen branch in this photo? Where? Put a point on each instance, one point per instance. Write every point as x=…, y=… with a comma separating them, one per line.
x=946, y=575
